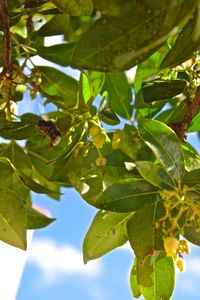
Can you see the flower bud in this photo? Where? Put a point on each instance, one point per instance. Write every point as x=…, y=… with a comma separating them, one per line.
x=171, y=246
x=94, y=130
x=101, y=161
x=99, y=140
x=180, y=264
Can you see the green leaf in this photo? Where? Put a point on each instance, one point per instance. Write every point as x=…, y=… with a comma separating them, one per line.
x=34, y=186
x=17, y=130
x=173, y=115
x=187, y=42
x=12, y=219
x=85, y=90
x=128, y=195
x=106, y=114
x=142, y=233
x=191, y=233
x=191, y=158
x=62, y=159
x=119, y=94
x=97, y=80
x=144, y=71
x=115, y=44
x=57, y=25
x=33, y=3
x=155, y=174
x=156, y=278
x=9, y=179
x=75, y=7
x=133, y=280
x=165, y=145
x=36, y=219
x=107, y=232
x=195, y=124
x=130, y=142
x=162, y=89
x=192, y=178
x=59, y=54
x=64, y=85
x=17, y=157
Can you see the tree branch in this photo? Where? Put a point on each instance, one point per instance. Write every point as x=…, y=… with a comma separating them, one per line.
x=7, y=60
x=192, y=107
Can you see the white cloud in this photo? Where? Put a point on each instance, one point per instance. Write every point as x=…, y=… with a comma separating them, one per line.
x=12, y=261
x=57, y=260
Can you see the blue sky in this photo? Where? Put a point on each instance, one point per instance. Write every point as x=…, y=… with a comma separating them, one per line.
x=55, y=269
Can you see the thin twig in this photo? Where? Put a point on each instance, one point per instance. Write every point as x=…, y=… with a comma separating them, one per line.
x=192, y=107
x=29, y=80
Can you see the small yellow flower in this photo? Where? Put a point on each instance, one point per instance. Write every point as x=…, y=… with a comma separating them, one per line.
x=94, y=130
x=183, y=247
x=180, y=264
x=99, y=140
x=171, y=246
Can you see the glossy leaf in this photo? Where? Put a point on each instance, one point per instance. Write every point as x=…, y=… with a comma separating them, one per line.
x=36, y=219
x=57, y=25
x=143, y=236
x=12, y=219
x=173, y=115
x=192, y=178
x=155, y=174
x=119, y=94
x=107, y=232
x=85, y=90
x=144, y=70
x=165, y=145
x=64, y=85
x=115, y=44
x=59, y=54
x=106, y=114
x=191, y=158
x=75, y=7
x=133, y=280
x=97, y=80
x=9, y=179
x=130, y=143
x=34, y=186
x=17, y=130
x=187, y=42
x=195, y=124
x=156, y=278
x=17, y=157
x=128, y=195
x=191, y=233
x=162, y=89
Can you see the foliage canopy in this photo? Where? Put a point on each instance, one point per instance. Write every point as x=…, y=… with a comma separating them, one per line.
x=120, y=140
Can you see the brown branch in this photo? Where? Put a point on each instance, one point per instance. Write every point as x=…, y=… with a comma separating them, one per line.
x=7, y=60
x=7, y=63
x=192, y=107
